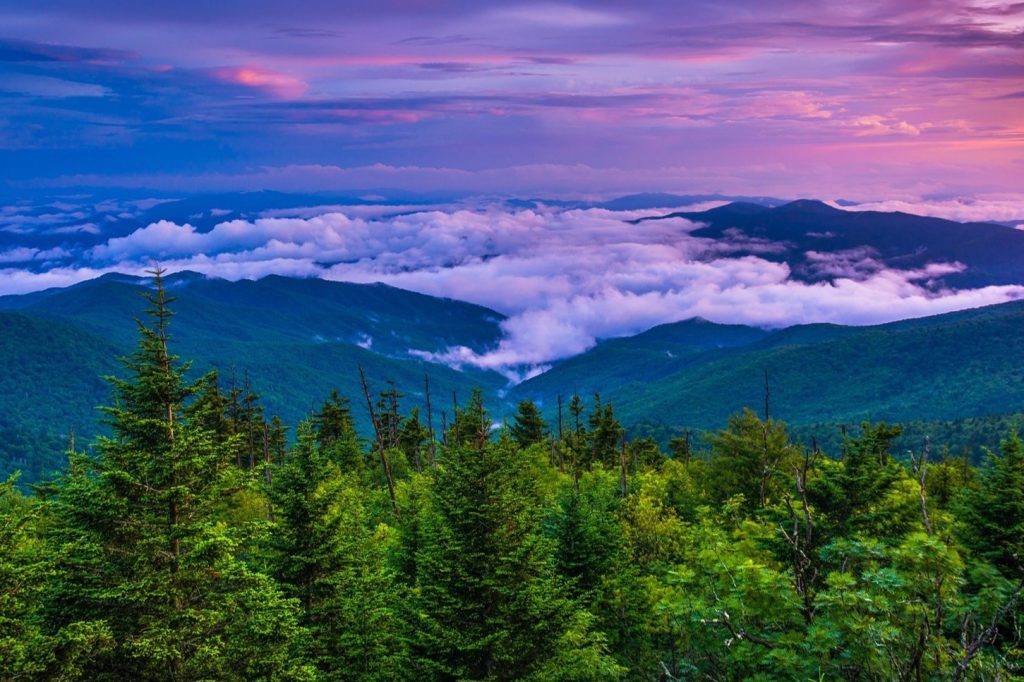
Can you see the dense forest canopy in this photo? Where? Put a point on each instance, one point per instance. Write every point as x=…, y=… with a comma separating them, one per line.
x=201, y=540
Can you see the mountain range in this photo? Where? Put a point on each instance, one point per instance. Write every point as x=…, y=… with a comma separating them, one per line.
x=294, y=340
x=820, y=242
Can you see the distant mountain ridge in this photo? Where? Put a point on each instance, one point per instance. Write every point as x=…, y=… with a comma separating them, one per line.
x=299, y=338
x=295, y=339
x=992, y=253
x=944, y=367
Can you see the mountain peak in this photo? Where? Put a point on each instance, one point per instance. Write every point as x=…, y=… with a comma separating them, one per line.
x=808, y=206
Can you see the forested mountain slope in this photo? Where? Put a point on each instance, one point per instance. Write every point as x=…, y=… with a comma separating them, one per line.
x=946, y=367
x=294, y=339
x=990, y=251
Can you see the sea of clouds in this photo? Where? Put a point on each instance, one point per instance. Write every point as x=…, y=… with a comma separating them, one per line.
x=565, y=278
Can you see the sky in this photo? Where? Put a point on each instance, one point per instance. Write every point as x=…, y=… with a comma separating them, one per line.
x=430, y=115
x=911, y=100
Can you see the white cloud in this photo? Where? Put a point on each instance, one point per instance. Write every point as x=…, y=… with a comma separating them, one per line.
x=1000, y=209
x=22, y=254
x=565, y=278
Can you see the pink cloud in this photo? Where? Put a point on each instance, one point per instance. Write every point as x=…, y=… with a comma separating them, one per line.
x=279, y=85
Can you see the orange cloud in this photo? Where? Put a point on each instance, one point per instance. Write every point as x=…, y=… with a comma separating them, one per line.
x=277, y=84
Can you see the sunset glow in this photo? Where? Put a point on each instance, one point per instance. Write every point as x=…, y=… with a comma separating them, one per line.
x=834, y=98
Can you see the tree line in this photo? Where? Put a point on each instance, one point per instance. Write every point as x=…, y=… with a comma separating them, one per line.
x=199, y=542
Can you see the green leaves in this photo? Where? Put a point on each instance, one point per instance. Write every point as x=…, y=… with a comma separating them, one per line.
x=168, y=555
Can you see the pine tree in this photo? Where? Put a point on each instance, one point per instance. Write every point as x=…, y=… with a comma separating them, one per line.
x=992, y=513
x=334, y=562
x=492, y=607
x=335, y=433
x=752, y=457
x=24, y=651
x=851, y=495
x=605, y=435
x=412, y=438
x=471, y=426
x=529, y=426
x=139, y=549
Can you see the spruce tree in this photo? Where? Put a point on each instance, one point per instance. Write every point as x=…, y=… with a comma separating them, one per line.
x=492, y=606
x=992, y=513
x=24, y=651
x=330, y=557
x=529, y=426
x=335, y=434
x=141, y=553
x=753, y=458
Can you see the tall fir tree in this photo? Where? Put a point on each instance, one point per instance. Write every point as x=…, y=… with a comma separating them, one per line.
x=528, y=426
x=141, y=552
x=330, y=557
x=992, y=512
x=492, y=606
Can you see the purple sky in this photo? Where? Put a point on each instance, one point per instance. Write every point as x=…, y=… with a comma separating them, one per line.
x=878, y=100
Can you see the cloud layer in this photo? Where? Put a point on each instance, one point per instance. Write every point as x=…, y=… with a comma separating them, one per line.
x=565, y=278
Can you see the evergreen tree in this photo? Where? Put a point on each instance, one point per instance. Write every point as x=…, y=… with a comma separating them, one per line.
x=528, y=426
x=209, y=408
x=335, y=433
x=412, y=438
x=851, y=495
x=492, y=607
x=331, y=559
x=605, y=435
x=471, y=426
x=140, y=552
x=751, y=457
x=992, y=513
x=24, y=651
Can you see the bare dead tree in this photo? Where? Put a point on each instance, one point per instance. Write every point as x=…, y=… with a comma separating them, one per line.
x=767, y=396
x=248, y=400
x=430, y=422
x=805, y=572
x=380, y=441
x=738, y=634
x=622, y=467
x=267, y=476
x=559, y=417
x=971, y=648
x=920, y=465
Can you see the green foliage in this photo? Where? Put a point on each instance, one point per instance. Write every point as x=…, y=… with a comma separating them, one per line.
x=142, y=562
x=992, y=512
x=331, y=557
x=751, y=458
x=23, y=569
x=528, y=426
x=862, y=496
x=491, y=606
x=193, y=543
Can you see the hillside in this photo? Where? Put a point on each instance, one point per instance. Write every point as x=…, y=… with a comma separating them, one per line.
x=50, y=384
x=954, y=366
x=296, y=339
x=649, y=356
x=899, y=240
